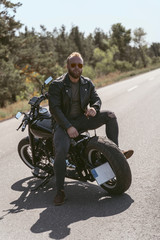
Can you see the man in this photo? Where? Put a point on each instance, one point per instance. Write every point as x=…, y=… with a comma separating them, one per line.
x=75, y=106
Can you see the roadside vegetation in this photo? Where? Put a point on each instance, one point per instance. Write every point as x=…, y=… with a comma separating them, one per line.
x=28, y=57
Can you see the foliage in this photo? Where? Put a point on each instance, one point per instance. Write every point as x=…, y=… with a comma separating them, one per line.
x=10, y=80
x=139, y=41
x=29, y=57
x=123, y=66
x=89, y=72
x=155, y=50
x=121, y=38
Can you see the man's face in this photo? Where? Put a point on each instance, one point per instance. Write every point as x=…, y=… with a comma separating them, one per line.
x=75, y=66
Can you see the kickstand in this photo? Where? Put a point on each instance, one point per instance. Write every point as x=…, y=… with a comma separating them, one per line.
x=43, y=183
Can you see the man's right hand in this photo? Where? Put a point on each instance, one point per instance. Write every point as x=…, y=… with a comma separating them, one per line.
x=72, y=132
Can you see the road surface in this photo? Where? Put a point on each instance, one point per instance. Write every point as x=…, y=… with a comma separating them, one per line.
x=89, y=213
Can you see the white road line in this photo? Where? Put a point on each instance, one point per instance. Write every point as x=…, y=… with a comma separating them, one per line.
x=131, y=89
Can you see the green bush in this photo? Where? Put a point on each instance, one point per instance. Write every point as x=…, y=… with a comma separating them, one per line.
x=56, y=71
x=104, y=67
x=89, y=72
x=155, y=60
x=123, y=66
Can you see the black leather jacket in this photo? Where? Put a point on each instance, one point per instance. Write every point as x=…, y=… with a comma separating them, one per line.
x=60, y=93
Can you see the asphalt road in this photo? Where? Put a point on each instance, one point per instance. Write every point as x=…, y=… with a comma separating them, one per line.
x=89, y=213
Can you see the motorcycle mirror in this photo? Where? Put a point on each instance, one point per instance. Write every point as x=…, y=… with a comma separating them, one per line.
x=45, y=83
x=48, y=80
x=18, y=115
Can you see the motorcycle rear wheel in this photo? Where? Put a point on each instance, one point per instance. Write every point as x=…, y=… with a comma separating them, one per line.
x=100, y=150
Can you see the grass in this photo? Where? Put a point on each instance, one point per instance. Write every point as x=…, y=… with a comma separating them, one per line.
x=118, y=76
x=12, y=109
x=23, y=106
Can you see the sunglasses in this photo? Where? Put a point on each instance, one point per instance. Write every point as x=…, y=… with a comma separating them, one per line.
x=73, y=65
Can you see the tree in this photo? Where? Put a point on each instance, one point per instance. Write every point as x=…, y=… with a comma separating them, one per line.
x=104, y=63
x=62, y=46
x=78, y=38
x=155, y=48
x=140, y=43
x=88, y=48
x=121, y=38
x=27, y=58
x=10, y=80
x=100, y=39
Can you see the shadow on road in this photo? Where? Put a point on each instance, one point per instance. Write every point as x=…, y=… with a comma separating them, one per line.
x=84, y=201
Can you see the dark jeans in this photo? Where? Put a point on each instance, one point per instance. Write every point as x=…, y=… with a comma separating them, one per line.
x=82, y=123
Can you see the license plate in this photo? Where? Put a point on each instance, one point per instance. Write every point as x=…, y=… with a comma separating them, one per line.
x=103, y=173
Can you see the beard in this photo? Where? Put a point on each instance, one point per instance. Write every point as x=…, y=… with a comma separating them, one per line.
x=75, y=73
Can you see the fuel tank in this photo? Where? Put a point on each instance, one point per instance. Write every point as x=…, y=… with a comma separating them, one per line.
x=42, y=128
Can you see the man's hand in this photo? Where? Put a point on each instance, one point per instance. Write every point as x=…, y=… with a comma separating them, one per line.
x=90, y=112
x=72, y=132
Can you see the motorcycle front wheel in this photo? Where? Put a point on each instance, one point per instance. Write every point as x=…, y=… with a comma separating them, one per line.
x=25, y=153
x=99, y=151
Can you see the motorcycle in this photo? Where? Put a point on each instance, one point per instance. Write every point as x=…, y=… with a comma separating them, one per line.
x=90, y=158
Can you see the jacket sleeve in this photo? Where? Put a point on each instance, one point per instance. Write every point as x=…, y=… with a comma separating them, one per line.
x=95, y=100
x=54, y=96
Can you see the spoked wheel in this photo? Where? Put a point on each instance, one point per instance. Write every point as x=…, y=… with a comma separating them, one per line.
x=100, y=151
x=24, y=150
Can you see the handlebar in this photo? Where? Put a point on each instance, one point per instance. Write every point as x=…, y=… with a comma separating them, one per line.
x=41, y=98
x=34, y=102
x=24, y=125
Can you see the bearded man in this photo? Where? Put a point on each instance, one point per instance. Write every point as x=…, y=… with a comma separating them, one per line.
x=75, y=107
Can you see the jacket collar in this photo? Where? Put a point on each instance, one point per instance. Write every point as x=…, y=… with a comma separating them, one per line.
x=67, y=80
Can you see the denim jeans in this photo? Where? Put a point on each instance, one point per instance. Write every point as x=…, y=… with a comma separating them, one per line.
x=82, y=123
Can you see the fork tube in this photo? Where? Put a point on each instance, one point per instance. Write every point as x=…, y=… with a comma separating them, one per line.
x=31, y=141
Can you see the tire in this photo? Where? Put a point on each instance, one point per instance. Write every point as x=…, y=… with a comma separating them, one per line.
x=100, y=150
x=25, y=154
